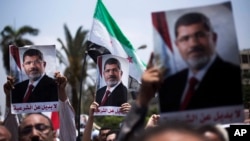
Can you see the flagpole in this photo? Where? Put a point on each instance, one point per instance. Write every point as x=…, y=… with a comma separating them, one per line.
x=78, y=120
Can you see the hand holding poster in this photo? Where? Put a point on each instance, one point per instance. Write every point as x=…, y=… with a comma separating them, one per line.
x=203, y=47
x=35, y=90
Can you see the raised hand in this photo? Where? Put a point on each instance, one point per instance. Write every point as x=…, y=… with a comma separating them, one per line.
x=151, y=80
x=9, y=85
x=61, y=82
x=93, y=108
x=125, y=108
x=153, y=121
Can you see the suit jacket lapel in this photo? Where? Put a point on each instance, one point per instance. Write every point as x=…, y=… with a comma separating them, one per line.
x=25, y=85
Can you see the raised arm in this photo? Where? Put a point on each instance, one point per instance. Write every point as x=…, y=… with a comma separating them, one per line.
x=10, y=120
x=66, y=111
x=89, y=125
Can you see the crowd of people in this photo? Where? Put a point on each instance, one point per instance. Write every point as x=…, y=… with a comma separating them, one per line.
x=39, y=127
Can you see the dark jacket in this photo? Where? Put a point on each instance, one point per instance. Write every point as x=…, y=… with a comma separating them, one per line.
x=116, y=98
x=45, y=91
x=221, y=86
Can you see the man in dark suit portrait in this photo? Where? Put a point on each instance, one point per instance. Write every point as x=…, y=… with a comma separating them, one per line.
x=209, y=81
x=114, y=93
x=39, y=87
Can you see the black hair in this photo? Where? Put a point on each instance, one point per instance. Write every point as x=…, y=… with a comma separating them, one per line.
x=113, y=61
x=33, y=52
x=114, y=131
x=192, y=18
x=105, y=128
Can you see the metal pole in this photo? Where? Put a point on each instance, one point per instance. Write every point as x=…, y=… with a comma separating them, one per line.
x=80, y=99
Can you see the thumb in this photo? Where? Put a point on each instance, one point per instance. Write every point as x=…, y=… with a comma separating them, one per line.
x=150, y=62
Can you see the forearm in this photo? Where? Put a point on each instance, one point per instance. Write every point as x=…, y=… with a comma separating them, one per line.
x=11, y=122
x=67, y=121
x=7, y=100
x=88, y=129
x=62, y=96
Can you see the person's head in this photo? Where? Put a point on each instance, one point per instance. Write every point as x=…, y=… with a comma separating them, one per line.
x=95, y=135
x=36, y=127
x=195, y=39
x=33, y=64
x=214, y=132
x=84, y=119
x=5, y=135
x=112, y=72
x=103, y=133
x=112, y=135
x=171, y=131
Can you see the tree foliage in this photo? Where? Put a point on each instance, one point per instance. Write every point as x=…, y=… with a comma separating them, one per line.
x=74, y=50
x=10, y=36
x=113, y=122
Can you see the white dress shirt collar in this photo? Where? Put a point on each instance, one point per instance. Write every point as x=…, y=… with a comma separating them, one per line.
x=113, y=88
x=200, y=74
x=37, y=81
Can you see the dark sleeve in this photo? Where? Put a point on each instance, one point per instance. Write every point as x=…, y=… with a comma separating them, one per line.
x=125, y=95
x=47, y=89
x=54, y=92
x=133, y=123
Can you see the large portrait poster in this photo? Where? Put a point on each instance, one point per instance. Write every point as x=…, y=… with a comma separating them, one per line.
x=112, y=84
x=197, y=50
x=35, y=89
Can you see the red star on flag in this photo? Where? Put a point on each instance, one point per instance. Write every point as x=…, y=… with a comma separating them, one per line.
x=130, y=59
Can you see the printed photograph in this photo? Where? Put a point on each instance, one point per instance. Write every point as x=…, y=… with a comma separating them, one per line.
x=33, y=68
x=197, y=50
x=112, y=89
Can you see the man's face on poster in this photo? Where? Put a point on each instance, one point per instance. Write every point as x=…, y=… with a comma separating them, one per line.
x=196, y=44
x=112, y=74
x=34, y=67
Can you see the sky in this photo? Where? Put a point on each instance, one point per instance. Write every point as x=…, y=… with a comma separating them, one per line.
x=132, y=16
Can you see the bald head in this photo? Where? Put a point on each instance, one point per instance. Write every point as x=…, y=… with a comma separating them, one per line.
x=4, y=134
x=172, y=131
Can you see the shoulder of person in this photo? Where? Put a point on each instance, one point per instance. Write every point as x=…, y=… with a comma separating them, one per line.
x=22, y=83
x=230, y=66
x=178, y=75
